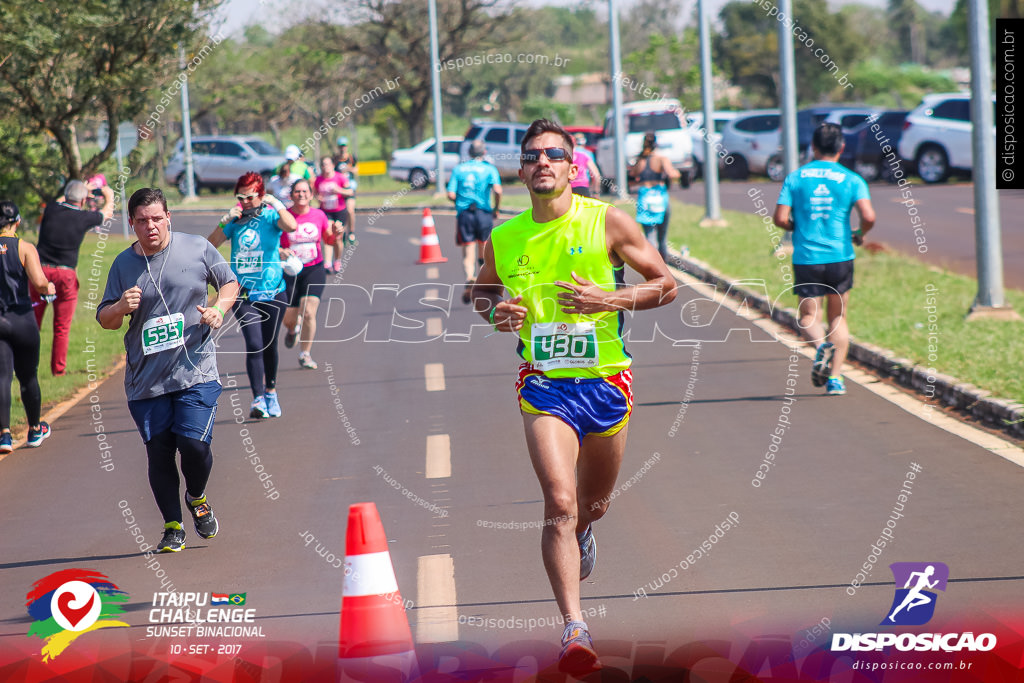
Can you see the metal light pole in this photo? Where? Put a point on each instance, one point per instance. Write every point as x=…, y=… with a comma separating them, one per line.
x=988, y=240
x=787, y=103
x=435, y=81
x=712, y=204
x=186, y=131
x=620, y=133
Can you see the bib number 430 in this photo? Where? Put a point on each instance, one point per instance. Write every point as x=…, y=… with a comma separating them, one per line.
x=561, y=345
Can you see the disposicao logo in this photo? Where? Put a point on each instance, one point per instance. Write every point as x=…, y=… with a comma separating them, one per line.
x=913, y=605
x=71, y=602
x=918, y=579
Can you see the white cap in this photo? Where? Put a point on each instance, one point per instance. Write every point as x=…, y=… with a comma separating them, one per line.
x=292, y=152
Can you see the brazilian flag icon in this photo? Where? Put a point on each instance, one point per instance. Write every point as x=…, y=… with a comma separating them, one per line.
x=237, y=598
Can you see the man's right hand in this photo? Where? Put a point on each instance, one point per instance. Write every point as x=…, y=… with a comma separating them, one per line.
x=509, y=315
x=130, y=300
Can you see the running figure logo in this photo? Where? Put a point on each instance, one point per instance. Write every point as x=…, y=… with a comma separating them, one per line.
x=918, y=580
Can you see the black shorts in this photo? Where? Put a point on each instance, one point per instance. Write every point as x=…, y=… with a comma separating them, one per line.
x=309, y=282
x=582, y=190
x=336, y=215
x=473, y=225
x=822, y=278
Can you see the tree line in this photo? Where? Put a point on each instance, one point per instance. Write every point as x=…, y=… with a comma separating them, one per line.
x=66, y=68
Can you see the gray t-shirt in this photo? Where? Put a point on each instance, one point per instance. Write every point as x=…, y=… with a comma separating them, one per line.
x=182, y=270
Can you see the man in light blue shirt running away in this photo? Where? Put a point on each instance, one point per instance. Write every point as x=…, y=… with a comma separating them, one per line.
x=815, y=203
x=470, y=187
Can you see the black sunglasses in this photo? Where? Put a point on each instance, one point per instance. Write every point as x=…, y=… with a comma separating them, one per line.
x=532, y=156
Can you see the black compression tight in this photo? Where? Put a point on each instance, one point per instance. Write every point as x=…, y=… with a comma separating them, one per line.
x=19, y=356
x=260, y=322
x=196, y=463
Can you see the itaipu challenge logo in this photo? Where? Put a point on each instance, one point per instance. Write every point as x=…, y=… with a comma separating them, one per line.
x=69, y=603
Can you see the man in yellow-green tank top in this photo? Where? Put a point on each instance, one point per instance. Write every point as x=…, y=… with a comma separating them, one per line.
x=561, y=265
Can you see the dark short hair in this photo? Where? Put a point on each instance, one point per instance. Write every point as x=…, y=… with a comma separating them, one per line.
x=145, y=197
x=541, y=126
x=8, y=213
x=828, y=139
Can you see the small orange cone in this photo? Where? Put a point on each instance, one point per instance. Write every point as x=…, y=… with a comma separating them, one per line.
x=373, y=621
x=430, y=248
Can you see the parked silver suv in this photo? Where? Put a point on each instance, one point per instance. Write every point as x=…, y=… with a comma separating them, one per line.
x=502, y=139
x=218, y=161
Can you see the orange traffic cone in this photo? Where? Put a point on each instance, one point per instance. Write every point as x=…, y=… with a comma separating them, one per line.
x=373, y=621
x=430, y=248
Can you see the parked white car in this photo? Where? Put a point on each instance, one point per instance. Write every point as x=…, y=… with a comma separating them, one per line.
x=662, y=117
x=936, y=136
x=418, y=164
x=697, y=134
x=751, y=141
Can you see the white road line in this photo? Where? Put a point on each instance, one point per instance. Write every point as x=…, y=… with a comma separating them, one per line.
x=439, y=456
x=432, y=293
x=435, y=327
x=437, y=617
x=379, y=231
x=434, y=374
x=908, y=402
x=414, y=241
x=433, y=272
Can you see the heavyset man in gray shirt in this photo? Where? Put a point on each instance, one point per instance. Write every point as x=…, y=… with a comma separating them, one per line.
x=171, y=380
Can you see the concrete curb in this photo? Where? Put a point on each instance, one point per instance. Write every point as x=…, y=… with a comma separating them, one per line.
x=1004, y=415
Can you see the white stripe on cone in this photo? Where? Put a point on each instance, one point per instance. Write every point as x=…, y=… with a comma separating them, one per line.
x=430, y=240
x=428, y=220
x=369, y=574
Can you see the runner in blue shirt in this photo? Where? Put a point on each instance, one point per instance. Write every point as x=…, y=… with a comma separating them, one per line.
x=254, y=226
x=815, y=203
x=470, y=187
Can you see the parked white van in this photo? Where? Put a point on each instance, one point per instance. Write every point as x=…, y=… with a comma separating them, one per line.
x=665, y=118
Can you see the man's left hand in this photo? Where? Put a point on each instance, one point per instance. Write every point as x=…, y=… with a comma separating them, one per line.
x=583, y=297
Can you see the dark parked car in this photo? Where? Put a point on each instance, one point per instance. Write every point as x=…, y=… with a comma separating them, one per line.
x=863, y=153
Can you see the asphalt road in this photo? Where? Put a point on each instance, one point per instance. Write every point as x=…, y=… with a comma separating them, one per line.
x=403, y=396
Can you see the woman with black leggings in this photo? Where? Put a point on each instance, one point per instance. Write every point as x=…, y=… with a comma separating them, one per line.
x=19, y=334
x=254, y=226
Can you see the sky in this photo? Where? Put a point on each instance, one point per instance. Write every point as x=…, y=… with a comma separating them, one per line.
x=239, y=13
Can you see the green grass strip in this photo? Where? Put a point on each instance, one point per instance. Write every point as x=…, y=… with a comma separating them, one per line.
x=889, y=304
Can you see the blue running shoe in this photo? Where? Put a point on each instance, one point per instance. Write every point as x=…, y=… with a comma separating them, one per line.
x=36, y=435
x=822, y=364
x=273, y=407
x=588, y=552
x=259, y=408
x=578, y=655
x=6, y=444
x=835, y=386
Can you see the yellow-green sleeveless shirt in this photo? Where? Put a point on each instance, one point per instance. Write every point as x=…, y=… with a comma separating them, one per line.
x=530, y=257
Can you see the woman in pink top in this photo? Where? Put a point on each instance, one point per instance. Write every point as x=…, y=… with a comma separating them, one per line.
x=588, y=178
x=332, y=192
x=303, y=291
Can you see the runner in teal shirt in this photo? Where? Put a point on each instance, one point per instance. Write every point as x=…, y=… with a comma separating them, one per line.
x=815, y=203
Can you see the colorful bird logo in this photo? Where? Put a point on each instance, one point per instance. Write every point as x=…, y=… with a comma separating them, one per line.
x=71, y=602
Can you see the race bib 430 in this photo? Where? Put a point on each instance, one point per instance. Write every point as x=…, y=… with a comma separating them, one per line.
x=563, y=345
